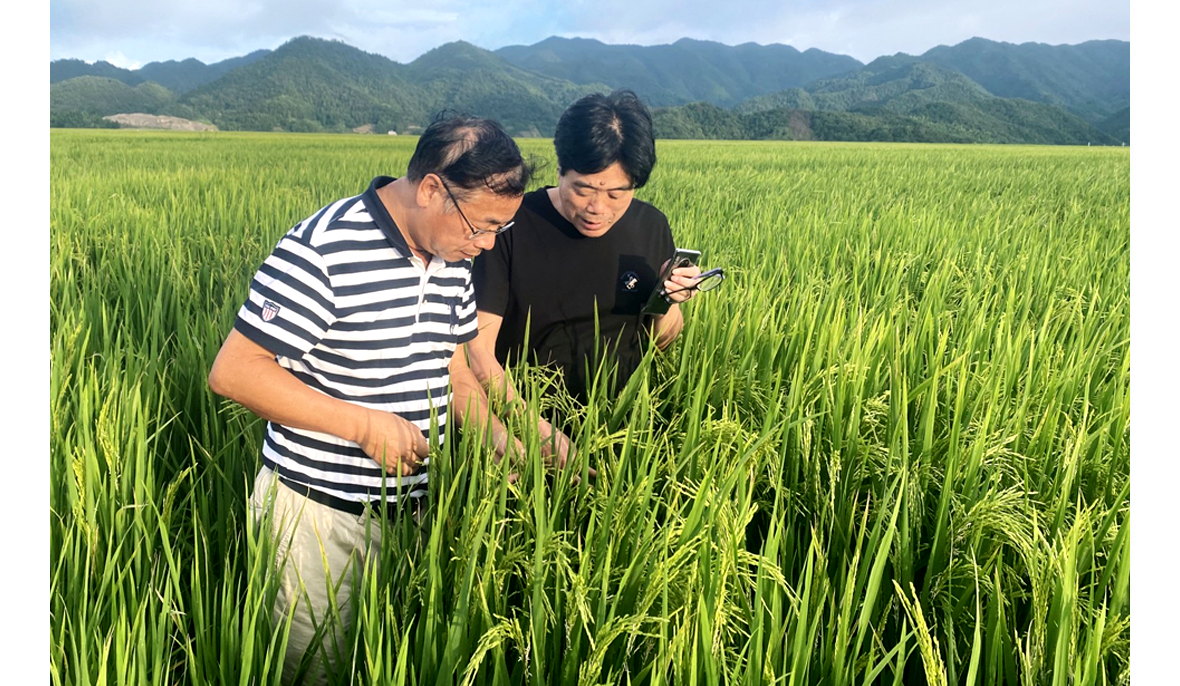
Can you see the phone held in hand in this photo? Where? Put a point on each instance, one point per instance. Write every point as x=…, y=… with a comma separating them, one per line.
x=657, y=304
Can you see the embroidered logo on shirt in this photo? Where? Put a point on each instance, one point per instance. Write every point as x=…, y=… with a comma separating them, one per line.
x=629, y=281
x=269, y=310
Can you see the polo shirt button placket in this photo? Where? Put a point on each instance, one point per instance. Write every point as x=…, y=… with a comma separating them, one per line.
x=423, y=280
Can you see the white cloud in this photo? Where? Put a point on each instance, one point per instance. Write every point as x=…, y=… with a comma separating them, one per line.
x=865, y=29
x=210, y=30
x=118, y=59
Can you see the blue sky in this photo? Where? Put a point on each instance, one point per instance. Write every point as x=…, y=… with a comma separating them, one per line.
x=130, y=33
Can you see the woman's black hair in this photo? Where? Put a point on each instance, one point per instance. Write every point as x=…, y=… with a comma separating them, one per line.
x=599, y=130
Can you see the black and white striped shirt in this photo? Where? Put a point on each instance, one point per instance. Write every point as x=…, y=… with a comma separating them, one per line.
x=348, y=309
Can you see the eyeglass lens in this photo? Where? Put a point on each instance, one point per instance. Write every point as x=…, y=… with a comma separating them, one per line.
x=474, y=231
x=709, y=281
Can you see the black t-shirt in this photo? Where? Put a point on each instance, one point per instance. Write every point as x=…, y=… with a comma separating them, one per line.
x=542, y=266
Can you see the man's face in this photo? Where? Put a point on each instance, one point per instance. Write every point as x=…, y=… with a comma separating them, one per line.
x=594, y=202
x=467, y=228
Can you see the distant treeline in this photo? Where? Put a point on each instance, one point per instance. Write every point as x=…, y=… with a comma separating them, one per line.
x=977, y=91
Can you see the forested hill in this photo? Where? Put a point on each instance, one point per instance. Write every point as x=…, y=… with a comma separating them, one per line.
x=683, y=72
x=313, y=85
x=978, y=91
x=309, y=84
x=899, y=98
x=178, y=77
x=1091, y=79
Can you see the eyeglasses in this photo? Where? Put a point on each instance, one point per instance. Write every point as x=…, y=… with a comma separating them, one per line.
x=474, y=231
x=705, y=282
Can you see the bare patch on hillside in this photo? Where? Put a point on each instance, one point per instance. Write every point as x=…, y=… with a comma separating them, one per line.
x=138, y=120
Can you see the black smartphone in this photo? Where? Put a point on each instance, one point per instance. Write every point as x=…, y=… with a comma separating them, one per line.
x=657, y=304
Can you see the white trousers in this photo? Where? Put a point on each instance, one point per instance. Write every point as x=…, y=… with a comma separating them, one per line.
x=321, y=554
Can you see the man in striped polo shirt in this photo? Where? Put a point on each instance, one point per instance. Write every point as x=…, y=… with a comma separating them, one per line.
x=346, y=345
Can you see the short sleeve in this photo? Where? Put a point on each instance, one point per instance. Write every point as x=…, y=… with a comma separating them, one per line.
x=290, y=306
x=667, y=243
x=658, y=239
x=490, y=274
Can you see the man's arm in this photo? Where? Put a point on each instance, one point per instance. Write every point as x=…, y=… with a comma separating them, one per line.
x=487, y=370
x=667, y=326
x=247, y=373
x=470, y=402
x=481, y=354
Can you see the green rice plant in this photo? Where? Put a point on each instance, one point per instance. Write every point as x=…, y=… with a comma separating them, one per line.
x=893, y=448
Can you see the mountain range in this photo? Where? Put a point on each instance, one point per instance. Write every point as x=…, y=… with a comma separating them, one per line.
x=976, y=91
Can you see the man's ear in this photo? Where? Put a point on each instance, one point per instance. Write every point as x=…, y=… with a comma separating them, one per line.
x=428, y=187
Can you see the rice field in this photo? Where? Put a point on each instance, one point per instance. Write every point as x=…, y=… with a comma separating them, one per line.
x=893, y=448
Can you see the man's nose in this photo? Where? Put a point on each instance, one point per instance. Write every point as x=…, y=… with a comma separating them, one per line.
x=485, y=241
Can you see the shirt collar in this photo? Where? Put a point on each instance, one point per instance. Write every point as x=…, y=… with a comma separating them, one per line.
x=392, y=232
x=382, y=217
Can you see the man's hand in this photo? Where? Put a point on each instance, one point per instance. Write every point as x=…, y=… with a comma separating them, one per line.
x=510, y=447
x=506, y=445
x=394, y=443
x=558, y=449
x=679, y=285
x=666, y=327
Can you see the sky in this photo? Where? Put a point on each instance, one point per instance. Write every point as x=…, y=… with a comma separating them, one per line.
x=131, y=33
